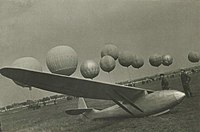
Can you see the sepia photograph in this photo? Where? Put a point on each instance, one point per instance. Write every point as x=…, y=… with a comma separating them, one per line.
x=99, y=66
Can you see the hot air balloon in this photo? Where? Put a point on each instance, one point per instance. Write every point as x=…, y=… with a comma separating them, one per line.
x=155, y=60
x=125, y=58
x=111, y=50
x=107, y=63
x=167, y=60
x=28, y=63
x=89, y=69
x=193, y=57
x=138, y=62
x=62, y=60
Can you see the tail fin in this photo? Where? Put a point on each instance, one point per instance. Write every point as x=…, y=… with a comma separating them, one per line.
x=82, y=108
x=81, y=103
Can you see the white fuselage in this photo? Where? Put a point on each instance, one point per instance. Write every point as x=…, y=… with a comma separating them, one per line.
x=151, y=104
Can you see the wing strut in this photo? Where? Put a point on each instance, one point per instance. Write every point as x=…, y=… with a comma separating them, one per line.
x=123, y=107
x=129, y=101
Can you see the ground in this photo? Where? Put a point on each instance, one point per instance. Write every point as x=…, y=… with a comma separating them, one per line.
x=183, y=118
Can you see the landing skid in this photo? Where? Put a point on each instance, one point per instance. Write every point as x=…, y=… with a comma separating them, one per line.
x=163, y=112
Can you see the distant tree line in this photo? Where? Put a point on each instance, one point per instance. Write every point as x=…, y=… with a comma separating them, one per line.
x=29, y=103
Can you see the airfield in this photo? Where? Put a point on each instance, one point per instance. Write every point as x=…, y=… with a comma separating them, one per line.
x=52, y=118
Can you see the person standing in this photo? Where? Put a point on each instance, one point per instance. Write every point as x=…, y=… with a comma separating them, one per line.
x=164, y=82
x=185, y=79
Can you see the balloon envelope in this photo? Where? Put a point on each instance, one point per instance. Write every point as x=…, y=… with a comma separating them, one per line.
x=193, y=56
x=107, y=63
x=62, y=60
x=138, y=62
x=89, y=69
x=111, y=50
x=125, y=58
x=28, y=63
x=167, y=60
x=155, y=60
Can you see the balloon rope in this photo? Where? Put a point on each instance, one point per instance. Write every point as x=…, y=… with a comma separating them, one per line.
x=132, y=74
x=109, y=76
x=158, y=70
x=30, y=95
x=129, y=74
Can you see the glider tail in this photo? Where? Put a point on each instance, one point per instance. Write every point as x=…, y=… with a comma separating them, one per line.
x=81, y=103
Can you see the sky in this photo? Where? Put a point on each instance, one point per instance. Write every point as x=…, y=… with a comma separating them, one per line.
x=33, y=27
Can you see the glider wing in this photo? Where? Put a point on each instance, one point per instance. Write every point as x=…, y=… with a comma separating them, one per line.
x=73, y=86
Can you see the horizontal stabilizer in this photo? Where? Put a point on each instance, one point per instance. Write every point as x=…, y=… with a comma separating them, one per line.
x=77, y=111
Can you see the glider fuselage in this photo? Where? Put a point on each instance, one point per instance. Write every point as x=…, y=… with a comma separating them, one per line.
x=151, y=104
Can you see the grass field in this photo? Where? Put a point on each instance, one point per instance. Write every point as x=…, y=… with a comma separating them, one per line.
x=183, y=118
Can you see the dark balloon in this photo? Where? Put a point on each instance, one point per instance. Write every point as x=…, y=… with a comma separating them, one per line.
x=155, y=60
x=167, y=60
x=89, y=69
x=111, y=50
x=107, y=63
x=62, y=60
x=125, y=58
x=193, y=57
x=138, y=62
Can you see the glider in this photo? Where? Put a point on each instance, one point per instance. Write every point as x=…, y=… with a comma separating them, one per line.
x=130, y=101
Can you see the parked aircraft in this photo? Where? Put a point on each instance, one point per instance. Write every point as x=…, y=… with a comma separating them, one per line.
x=130, y=101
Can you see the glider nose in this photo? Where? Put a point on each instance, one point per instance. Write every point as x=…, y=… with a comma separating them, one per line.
x=179, y=96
